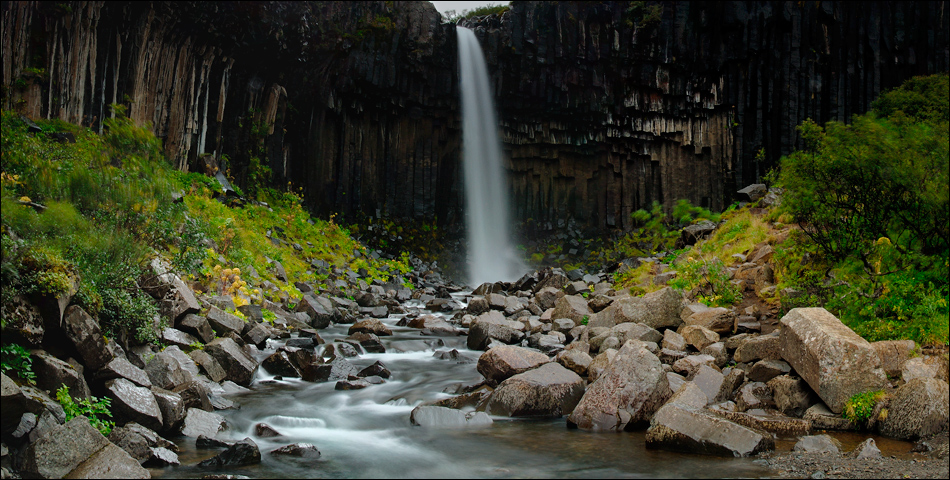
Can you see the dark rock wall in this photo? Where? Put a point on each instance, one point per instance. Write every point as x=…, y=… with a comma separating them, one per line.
x=602, y=109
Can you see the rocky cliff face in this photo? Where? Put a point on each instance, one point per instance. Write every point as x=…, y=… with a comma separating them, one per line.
x=604, y=106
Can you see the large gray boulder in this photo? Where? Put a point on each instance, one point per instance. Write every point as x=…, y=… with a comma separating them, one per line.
x=196, y=325
x=165, y=371
x=441, y=417
x=547, y=391
x=120, y=367
x=52, y=373
x=238, y=365
x=759, y=347
x=84, y=333
x=502, y=362
x=199, y=422
x=573, y=307
x=132, y=403
x=659, y=309
x=179, y=301
x=223, y=323
x=320, y=309
x=77, y=450
x=14, y=404
x=919, y=408
x=718, y=319
x=493, y=325
x=682, y=427
x=208, y=365
x=172, y=406
x=244, y=452
x=835, y=361
x=628, y=391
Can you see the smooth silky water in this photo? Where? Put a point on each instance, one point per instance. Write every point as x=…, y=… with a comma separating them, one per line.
x=366, y=433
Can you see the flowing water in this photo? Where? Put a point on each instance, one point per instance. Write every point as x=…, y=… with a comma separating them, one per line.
x=367, y=434
x=491, y=255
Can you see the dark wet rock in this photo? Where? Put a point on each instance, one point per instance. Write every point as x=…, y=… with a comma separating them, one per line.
x=547, y=391
x=178, y=301
x=223, y=322
x=835, y=361
x=320, y=310
x=161, y=457
x=476, y=399
x=683, y=428
x=370, y=342
x=206, y=442
x=52, y=373
x=357, y=384
x=84, y=333
x=734, y=378
x=500, y=363
x=238, y=366
x=173, y=336
x=208, y=365
x=259, y=334
x=266, y=431
x=493, y=325
x=297, y=450
x=340, y=349
x=817, y=444
x=172, y=407
x=75, y=449
x=377, y=369
x=478, y=306
x=14, y=404
x=336, y=369
x=166, y=372
x=23, y=323
x=133, y=403
x=279, y=363
x=194, y=394
x=919, y=408
x=453, y=355
x=431, y=416
x=792, y=395
x=132, y=442
x=697, y=231
x=370, y=325
x=244, y=452
x=199, y=422
x=628, y=392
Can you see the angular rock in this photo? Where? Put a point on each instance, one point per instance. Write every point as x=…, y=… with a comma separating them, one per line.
x=336, y=369
x=628, y=392
x=52, y=373
x=547, y=391
x=754, y=395
x=835, y=361
x=689, y=366
x=199, y=422
x=208, y=365
x=193, y=394
x=238, y=366
x=493, y=325
x=62, y=449
x=765, y=370
x=132, y=442
x=575, y=360
x=676, y=381
x=573, y=307
x=370, y=325
x=120, y=367
x=172, y=407
x=298, y=450
x=109, y=462
x=431, y=416
x=340, y=349
x=817, y=444
x=500, y=363
x=792, y=395
x=766, y=420
x=433, y=325
x=161, y=457
x=822, y=418
x=266, y=431
x=692, y=430
x=14, y=404
x=320, y=310
x=600, y=363
x=918, y=368
x=179, y=301
x=164, y=371
x=173, y=336
x=718, y=319
x=762, y=347
x=867, y=449
x=659, y=309
x=131, y=403
x=673, y=341
x=377, y=369
x=699, y=336
x=919, y=408
x=718, y=352
x=223, y=322
x=240, y=453
x=710, y=381
x=23, y=323
x=732, y=381
x=196, y=325
x=278, y=363
x=670, y=356
x=636, y=331
x=84, y=333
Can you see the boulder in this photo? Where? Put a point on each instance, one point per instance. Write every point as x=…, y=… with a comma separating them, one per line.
x=600, y=363
x=370, y=325
x=718, y=352
x=208, y=365
x=240, y=453
x=765, y=370
x=493, y=325
x=304, y=451
x=732, y=381
x=376, y=369
x=689, y=366
x=673, y=341
x=120, y=367
x=433, y=325
x=635, y=331
x=835, y=361
x=179, y=301
x=172, y=407
x=500, y=363
x=699, y=336
x=84, y=333
x=817, y=444
x=173, y=336
x=547, y=297
x=547, y=391
x=573, y=307
x=710, y=381
x=223, y=322
x=131, y=403
x=320, y=310
x=822, y=418
x=478, y=306
x=792, y=395
x=628, y=392
x=52, y=373
x=338, y=368
x=23, y=323
x=761, y=347
x=431, y=416
x=917, y=367
x=767, y=420
x=867, y=449
x=14, y=404
x=278, y=363
x=196, y=325
x=754, y=395
x=718, y=319
x=575, y=360
x=199, y=422
x=659, y=309
x=62, y=449
x=919, y=408
x=193, y=394
x=697, y=231
x=164, y=371
x=238, y=366
x=693, y=430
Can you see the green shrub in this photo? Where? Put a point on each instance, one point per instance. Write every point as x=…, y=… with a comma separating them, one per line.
x=91, y=408
x=17, y=359
x=859, y=408
x=710, y=279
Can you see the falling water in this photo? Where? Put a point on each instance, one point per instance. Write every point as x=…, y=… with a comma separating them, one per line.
x=491, y=256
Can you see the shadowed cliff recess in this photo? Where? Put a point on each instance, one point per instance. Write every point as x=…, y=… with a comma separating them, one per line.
x=605, y=107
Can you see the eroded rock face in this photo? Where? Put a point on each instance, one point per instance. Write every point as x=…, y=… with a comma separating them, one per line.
x=835, y=361
x=628, y=391
x=547, y=391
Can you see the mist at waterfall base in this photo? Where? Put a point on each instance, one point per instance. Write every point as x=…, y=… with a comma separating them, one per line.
x=491, y=256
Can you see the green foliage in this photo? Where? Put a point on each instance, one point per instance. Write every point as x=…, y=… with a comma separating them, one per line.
x=686, y=213
x=872, y=201
x=91, y=408
x=710, y=281
x=642, y=15
x=859, y=408
x=452, y=17
x=16, y=358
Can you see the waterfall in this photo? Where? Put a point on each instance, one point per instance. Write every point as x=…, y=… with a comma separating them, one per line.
x=491, y=256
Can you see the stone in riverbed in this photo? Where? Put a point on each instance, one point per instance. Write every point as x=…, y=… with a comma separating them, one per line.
x=133, y=403
x=370, y=325
x=244, y=452
x=441, y=417
x=547, y=391
x=835, y=361
x=690, y=429
x=502, y=362
x=239, y=366
x=298, y=450
x=493, y=325
x=199, y=422
x=817, y=444
x=919, y=408
x=628, y=392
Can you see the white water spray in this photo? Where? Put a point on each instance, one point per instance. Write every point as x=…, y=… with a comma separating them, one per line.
x=491, y=256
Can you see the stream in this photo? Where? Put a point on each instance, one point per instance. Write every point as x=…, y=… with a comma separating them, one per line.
x=367, y=434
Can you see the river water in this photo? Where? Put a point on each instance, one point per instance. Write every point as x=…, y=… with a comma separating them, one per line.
x=367, y=434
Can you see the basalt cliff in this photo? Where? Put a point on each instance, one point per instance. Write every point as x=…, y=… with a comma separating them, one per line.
x=604, y=107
